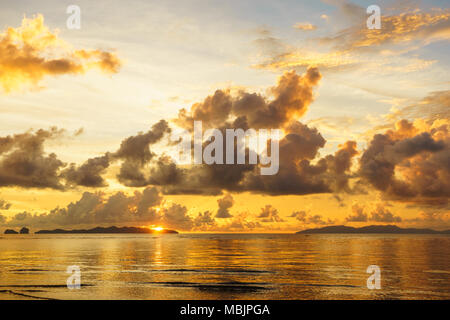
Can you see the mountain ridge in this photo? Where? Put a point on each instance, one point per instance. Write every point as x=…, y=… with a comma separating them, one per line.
x=386, y=229
x=105, y=230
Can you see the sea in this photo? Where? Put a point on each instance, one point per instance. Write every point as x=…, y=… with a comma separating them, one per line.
x=224, y=266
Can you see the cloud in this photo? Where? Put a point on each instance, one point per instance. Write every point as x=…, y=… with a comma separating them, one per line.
x=141, y=208
x=239, y=223
x=269, y=214
x=301, y=171
x=398, y=29
x=89, y=174
x=135, y=153
x=304, y=26
x=24, y=163
x=291, y=98
x=434, y=106
x=176, y=217
x=302, y=58
x=32, y=52
x=358, y=214
x=381, y=214
x=204, y=221
x=431, y=219
x=314, y=219
x=224, y=205
x=339, y=165
x=357, y=47
x=4, y=205
x=299, y=215
x=99, y=209
x=298, y=174
x=298, y=148
x=410, y=163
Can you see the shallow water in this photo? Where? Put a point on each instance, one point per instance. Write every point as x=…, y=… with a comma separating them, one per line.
x=225, y=266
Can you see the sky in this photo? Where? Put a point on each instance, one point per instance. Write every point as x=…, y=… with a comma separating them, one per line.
x=86, y=113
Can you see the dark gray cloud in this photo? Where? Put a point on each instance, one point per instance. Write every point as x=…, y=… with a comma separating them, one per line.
x=358, y=214
x=409, y=165
x=291, y=98
x=204, y=220
x=314, y=219
x=24, y=163
x=269, y=214
x=135, y=153
x=379, y=214
x=382, y=214
x=225, y=204
x=176, y=217
x=89, y=174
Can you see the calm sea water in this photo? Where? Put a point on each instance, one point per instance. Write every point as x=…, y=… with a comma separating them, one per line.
x=225, y=266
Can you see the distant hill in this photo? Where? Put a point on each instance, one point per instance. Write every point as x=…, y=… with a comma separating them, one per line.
x=391, y=229
x=10, y=231
x=100, y=230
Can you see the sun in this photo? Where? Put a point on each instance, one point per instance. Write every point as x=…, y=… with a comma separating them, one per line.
x=157, y=228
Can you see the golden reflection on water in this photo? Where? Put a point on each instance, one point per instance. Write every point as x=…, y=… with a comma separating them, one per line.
x=225, y=266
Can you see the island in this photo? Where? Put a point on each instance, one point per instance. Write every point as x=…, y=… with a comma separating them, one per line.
x=24, y=230
x=10, y=231
x=113, y=229
x=386, y=229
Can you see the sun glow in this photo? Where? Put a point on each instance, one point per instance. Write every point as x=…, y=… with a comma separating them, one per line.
x=157, y=228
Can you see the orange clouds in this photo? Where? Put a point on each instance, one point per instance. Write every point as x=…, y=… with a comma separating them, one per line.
x=32, y=51
x=356, y=45
x=406, y=27
x=291, y=98
x=304, y=58
x=304, y=26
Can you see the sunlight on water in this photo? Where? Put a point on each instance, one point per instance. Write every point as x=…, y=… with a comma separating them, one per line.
x=225, y=266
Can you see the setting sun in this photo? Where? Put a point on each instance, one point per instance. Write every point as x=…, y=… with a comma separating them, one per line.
x=157, y=228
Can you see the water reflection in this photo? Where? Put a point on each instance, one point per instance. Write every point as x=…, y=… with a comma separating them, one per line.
x=218, y=266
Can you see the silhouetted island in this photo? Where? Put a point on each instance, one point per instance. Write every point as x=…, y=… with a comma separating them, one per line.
x=108, y=230
x=24, y=230
x=10, y=231
x=392, y=229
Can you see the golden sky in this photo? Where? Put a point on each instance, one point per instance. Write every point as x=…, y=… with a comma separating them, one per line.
x=87, y=114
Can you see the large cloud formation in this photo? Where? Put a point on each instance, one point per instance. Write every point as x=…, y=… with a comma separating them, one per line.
x=298, y=148
x=360, y=47
x=300, y=169
x=225, y=204
x=31, y=52
x=97, y=208
x=403, y=28
x=410, y=163
x=291, y=98
x=141, y=208
x=379, y=214
x=24, y=163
